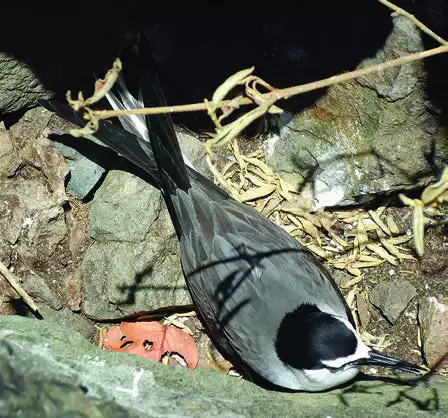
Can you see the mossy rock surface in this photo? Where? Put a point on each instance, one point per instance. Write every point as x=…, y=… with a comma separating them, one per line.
x=49, y=371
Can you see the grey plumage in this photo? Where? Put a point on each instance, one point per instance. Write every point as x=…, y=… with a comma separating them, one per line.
x=232, y=258
x=261, y=295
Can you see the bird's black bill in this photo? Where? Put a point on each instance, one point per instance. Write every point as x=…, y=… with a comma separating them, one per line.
x=382, y=360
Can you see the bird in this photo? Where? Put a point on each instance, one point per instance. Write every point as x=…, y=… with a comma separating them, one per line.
x=267, y=303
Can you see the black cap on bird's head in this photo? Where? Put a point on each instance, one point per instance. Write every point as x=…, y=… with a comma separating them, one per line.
x=310, y=339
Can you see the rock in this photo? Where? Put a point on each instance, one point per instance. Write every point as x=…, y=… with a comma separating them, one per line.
x=124, y=209
x=69, y=374
x=66, y=319
x=31, y=220
x=392, y=297
x=342, y=278
x=30, y=126
x=19, y=86
x=31, y=209
x=29, y=134
x=39, y=290
x=87, y=158
x=9, y=160
x=7, y=297
x=72, y=291
x=56, y=399
x=48, y=155
x=433, y=320
x=133, y=264
x=363, y=310
x=52, y=306
x=435, y=261
x=5, y=251
x=353, y=143
x=78, y=232
x=193, y=150
x=12, y=217
x=39, y=154
x=84, y=173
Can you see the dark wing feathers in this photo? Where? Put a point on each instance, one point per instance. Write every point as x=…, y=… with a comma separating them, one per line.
x=161, y=127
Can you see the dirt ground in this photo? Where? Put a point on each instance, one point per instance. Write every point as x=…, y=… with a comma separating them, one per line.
x=428, y=274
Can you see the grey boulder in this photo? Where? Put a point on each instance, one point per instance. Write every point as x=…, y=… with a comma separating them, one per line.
x=371, y=136
x=49, y=371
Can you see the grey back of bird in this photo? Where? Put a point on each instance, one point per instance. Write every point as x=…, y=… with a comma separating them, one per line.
x=244, y=273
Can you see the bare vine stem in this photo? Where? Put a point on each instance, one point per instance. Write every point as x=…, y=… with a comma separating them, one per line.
x=414, y=20
x=278, y=94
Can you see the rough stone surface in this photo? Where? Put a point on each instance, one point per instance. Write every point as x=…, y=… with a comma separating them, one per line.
x=35, y=149
x=84, y=173
x=193, y=150
x=433, y=319
x=369, y=136
x=67, y=320
x=56, y=397
x=58, y=363
x=19, y=86
x=78, y=233
x=72, y=291
x=9, y=160
x=30, y=219
x=392, y=297
x=87, y=158
x=51, y=307
x=33, y=231
x=133, y=264
x=39, y=290
x=362, y=308
x=7, y=294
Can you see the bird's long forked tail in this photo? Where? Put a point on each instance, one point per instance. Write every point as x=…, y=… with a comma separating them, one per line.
x=173, y=172
x=166, y=149
x=149, y=142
